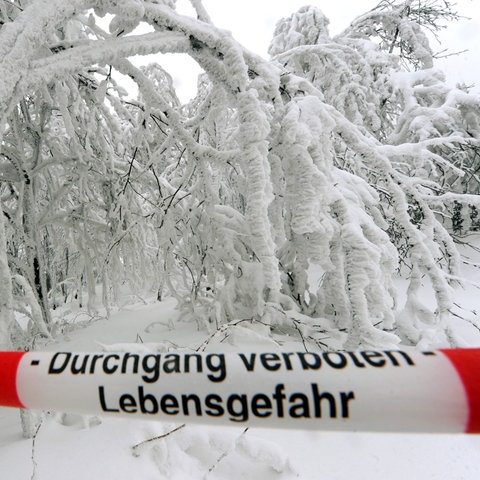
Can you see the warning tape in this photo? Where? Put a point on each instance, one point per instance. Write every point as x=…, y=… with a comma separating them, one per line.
x=388, y=391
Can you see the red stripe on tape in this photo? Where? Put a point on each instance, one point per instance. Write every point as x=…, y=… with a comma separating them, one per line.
x=8, y=379
x=467, y=364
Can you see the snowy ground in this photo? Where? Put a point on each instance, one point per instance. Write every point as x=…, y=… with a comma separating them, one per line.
x=77, y=448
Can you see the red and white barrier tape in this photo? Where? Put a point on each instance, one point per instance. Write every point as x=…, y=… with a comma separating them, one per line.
x=388, y=391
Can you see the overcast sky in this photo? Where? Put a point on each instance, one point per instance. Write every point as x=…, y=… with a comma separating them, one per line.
x=252, y=23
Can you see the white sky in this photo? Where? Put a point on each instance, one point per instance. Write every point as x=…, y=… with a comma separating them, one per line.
x=252, y=23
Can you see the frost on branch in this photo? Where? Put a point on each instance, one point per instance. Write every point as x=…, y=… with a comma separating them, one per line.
x=410, y=172
x=289, y=191
x=308, y=27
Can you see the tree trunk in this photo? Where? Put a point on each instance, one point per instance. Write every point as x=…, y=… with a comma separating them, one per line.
x=6, y=297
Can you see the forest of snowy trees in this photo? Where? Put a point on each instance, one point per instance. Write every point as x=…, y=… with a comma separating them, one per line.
x=290, y=191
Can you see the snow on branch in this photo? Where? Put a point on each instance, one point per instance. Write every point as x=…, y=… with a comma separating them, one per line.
x=290, y=192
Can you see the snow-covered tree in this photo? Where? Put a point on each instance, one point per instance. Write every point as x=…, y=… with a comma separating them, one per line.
x=418, y=124
x=286, y=192
x=66, y=168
